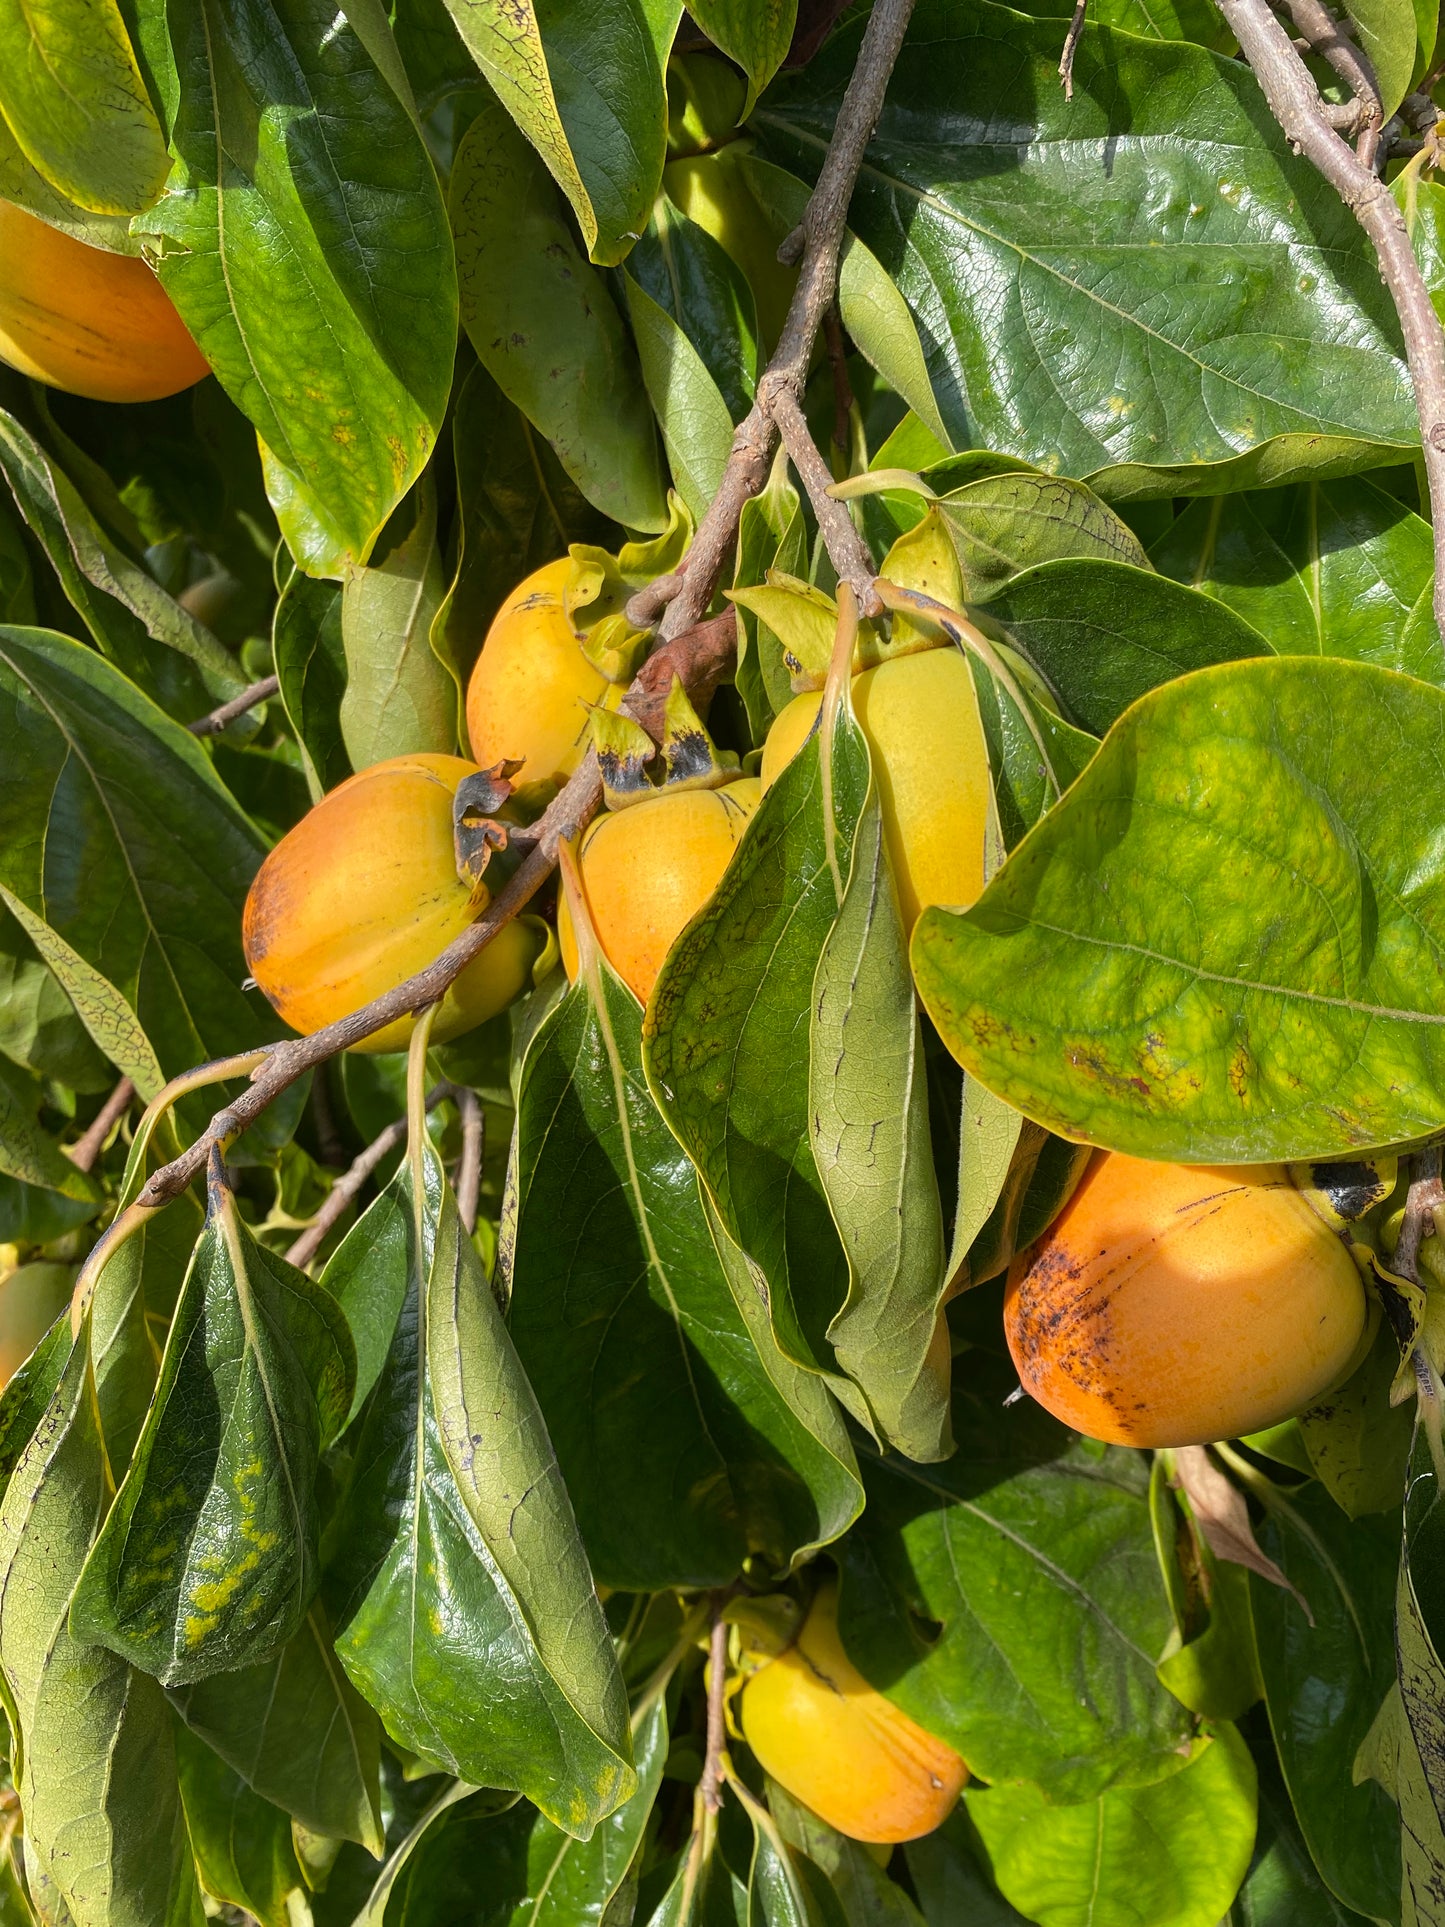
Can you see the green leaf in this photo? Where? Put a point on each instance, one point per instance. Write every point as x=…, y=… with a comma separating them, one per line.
x=1282, y=1887
x=1385, y=30
x=208, y=1559
x=27, y=1151
x=950, y=1875
x=27, y=1394
x=398, y=698
x=584, y=84
x=1323, y=1685
x=296, y=1731
x=517, y=508
x=1221, y=945
x=1035, y=1557
x=465, y=1609
x=1358, y=1442
x=23, y=185
x=1066, y=324
x=310, y=658
x=1192, y=20
x=242, y=1843
x=868, y=1106
x=1004, y=524
x=697, y=427
x=1104, y=634
x=866, y=1896
x=1419, y=1730
x=686, y=1440
x=756, y=37
x=771, y=534
x=726, y=1048
x=124, y=609
x=327, y=213
x=76, y=105
x=136, y=903
x=1322, y=569
x=39, y=1028
x=1172, y=1852
x=689, y=275
x=95, y=1759
x=545, y=327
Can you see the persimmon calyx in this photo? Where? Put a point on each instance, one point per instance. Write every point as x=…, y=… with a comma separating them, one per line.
x=600, y=584
x=476, y=829
x=628, y=757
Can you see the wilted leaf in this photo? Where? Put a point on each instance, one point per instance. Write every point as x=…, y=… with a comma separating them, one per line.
x=327, y=216
x=1225, y=942
x=208, y=1559
x=544, y=325
x=136, y=905
x=687, y=1444
x=1230, y=301
x=76, y=105
x=1010, y=1601
x=465, y=1611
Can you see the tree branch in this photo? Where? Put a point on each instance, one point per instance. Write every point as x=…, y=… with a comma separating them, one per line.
x=213, y=724
x=350, y=1182
x=1328, y=37
x=87, y=1149
x=817, y=244
x=469, y=1168
x=1071, y=47
x=1295, y=102
x=711, y=1784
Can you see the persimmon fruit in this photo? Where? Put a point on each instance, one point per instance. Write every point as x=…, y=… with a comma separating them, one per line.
x=532, y=688
x=647, y=870
x=363, y=892
x=87, y=321
x=920, y=716
x=1174, y=1304
x=32, y=1297
x=839, y=1746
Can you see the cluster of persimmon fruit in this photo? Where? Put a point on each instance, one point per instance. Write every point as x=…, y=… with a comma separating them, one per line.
x=1166, y=1305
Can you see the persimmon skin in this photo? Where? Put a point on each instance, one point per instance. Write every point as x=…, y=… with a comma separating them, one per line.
x=88, y=322
x=1173, y=1304
x=820, y=1730
x=32, y=1297
x=647, y=870
x=530, y=689
x=920, y=716
x=363, y=892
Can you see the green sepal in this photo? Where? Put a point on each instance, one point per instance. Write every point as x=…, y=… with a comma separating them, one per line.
x=803, y=619
x=600, y=584
x=624, y=750
x=691, y=760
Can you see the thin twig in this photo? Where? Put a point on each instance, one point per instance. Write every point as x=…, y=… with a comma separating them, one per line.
x=847, y=550
x=1418, y=1223
x=817, y=244
x=469, y=1168
x=212, y=725
x=1295, y=102
x=87, y=1149
x=1071, y=47
x=1328, y=37
x=711, y=1784
x=346, y=1187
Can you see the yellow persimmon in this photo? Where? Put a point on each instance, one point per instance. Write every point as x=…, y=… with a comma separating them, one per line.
x=32, y=1297
x=1174, y=1304
x=87, y=321
x=647, y=870
x=529, y=695
x=920, y=716
x=364, y=892
x=839, y=1746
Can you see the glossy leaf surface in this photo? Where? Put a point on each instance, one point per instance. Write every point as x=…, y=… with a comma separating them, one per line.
x=310, y=658
x=687, y=1441
x=1035, y=1557
x=142, y=893
x=208, y=1561
x=1041, y=240
x=329, y=214
x=464, y=1608
x=1224, y=943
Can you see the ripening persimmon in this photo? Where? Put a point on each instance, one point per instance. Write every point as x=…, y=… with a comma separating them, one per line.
x=647, y=870
x=32, y=1297
x=839, y=1746
x=364, y=892
x=531, y=692
x=920, y=716
x=1175, y=1304
x=90, y=322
